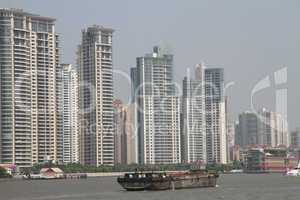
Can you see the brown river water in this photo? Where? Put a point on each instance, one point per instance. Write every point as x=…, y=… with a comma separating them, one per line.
x=230, y=187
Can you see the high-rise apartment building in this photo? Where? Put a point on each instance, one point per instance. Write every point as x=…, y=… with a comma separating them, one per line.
x=230, y=132
x=74, y=116
x=262, y=128
x=29, y=65
x=125, y=133
x=69, y=135
x=193, y=136
x=96, y=96
x=273, y=129
x=120, y=134
x=247, y=130
x=204, y=118
x=215, y=115
x=158, y=109
x=131, y=134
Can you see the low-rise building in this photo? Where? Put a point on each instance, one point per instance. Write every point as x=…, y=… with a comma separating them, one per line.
x=261, y=160
x=51, y=172
x=236, y=153
x=295, y=138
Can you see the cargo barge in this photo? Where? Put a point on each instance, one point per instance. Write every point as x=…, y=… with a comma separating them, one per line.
x=163, y=181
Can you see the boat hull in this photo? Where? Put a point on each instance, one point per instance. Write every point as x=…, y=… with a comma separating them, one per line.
x=171, y=181
x=134, y=184
x=145, y=184
x=194, y=181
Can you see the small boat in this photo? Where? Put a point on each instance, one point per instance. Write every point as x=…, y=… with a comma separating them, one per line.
x=162, y=181
x=32, y=177
x=294, y=172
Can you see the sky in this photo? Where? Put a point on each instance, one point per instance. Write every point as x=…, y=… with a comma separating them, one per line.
x=251, y=40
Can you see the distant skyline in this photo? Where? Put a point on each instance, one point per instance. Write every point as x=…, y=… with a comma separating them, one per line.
x=249, y=39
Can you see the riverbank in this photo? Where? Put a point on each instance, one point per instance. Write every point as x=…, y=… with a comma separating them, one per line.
x=89, y=175
x=105, y=174
x=116, y=174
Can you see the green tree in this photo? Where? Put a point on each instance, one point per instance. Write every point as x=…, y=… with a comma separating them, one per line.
x=237, y=164
x=3, y=173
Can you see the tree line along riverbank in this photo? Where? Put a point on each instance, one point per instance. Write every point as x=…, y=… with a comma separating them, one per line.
x=78, y=168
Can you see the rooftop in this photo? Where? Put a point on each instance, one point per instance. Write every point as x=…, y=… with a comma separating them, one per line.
x=99, y=28
x=16, y=11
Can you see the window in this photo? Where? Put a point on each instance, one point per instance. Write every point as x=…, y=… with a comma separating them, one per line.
x=104, y=39
x=34, y=26
x=42, y=27
x=18, y=23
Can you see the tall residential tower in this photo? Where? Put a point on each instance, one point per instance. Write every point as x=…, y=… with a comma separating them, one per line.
x=193, y=118
x=96, y=96
x=125, y=133
x=69, y=137
x=262, y=128
x=204, y=130
x=29, y=66
x=215, y=116
x=158, y=109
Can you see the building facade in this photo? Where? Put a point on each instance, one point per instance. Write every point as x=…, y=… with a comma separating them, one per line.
x=96, y=96
x=247, y=130
x=74, y=116
x=125, y=133
x=264, y=128
x=120, y=134
x=295, y=138
x=269, y=160
x=193, y=137
x=215, y=116
x=131, y=134
x=158, y=109
x=273, y=129
x=29, y=60
x=69, y=135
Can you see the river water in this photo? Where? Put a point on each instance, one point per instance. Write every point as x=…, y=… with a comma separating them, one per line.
x=230, y=187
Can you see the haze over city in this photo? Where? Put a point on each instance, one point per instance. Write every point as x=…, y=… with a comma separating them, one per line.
x=249, y=39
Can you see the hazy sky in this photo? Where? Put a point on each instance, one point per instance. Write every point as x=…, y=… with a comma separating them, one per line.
x=249, y=39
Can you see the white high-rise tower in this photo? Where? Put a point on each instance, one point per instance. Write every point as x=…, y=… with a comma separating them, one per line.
x=158, y=109
x=29, y=75
x=193, y=118
x=69, y=135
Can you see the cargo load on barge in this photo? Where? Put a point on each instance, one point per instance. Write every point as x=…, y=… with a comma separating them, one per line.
x=194, y=179
x=166, y=181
